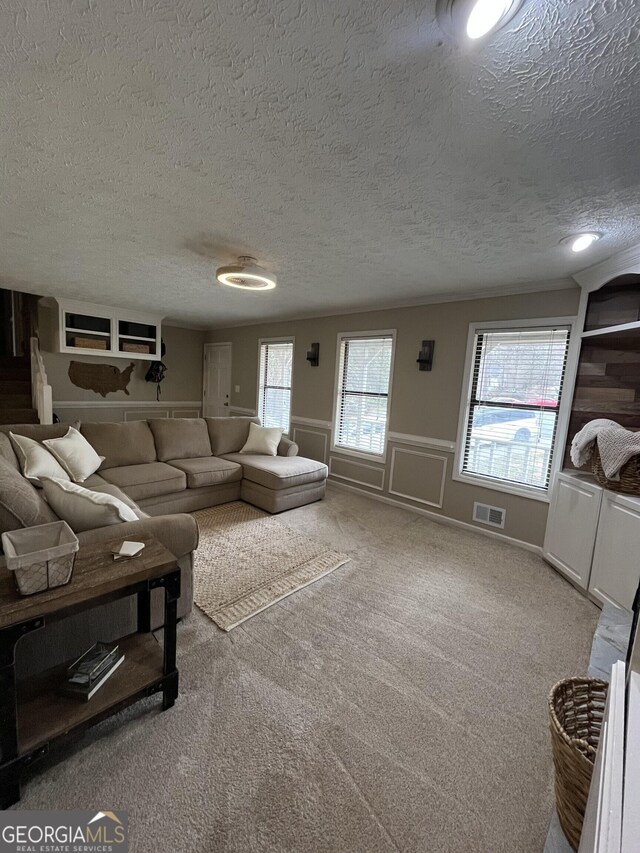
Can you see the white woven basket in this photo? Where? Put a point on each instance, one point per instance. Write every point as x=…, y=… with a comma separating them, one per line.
x=41, y=557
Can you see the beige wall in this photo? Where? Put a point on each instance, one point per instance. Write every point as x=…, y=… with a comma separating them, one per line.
x=423, y=404
x=182, y=383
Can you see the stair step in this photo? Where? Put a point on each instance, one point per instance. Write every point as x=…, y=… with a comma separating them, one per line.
x=15, y=386
x=15, y=401
x=15, y=374
x=18, y=416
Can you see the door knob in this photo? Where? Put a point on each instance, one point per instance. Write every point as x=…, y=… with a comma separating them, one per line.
x=225, y=404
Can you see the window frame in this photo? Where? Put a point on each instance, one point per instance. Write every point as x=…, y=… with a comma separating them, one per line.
x=335, y=426
x=284, y=339
x=564, y=409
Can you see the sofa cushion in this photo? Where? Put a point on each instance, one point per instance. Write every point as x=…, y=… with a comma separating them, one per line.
x=180, y=438
x=84, y=509
x=109, y=489
x=208, y=471
x=146, y=481
x=279, y=472
x=20, y=503
x=228, y=435
x=262, y=440
x=36, y=460
x=74, y=453
x=128, y=443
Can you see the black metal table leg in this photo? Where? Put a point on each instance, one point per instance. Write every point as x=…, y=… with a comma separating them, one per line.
x=144, y=611
x=9, y=767
x=171, y=595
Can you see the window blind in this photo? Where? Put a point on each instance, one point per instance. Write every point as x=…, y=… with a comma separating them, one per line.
x=363, y=393
x=515, y=391
x=274, y=392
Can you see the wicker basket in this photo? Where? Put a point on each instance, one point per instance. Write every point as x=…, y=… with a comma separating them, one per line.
x=576, y=709
x=41, y=557
x=629, y=482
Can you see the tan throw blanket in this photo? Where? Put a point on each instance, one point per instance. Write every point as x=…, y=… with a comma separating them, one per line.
x=616, y=446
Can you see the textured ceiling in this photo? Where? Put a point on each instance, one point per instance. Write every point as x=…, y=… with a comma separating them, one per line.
x=343, y=144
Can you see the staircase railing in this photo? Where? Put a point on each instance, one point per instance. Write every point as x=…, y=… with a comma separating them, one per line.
x=40, y=389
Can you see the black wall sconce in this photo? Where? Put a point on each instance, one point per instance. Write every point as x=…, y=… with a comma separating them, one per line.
x=313, y=355
x=425, y=356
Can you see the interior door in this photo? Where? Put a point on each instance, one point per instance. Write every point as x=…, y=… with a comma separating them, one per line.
x=216, y=393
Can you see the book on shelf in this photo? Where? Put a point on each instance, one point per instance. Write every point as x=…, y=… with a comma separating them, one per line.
x=87, y=690
x=90, y=665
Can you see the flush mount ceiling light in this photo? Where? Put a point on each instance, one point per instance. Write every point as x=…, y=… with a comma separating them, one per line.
x=246, y=275
x=474, y=19
x=580, y=242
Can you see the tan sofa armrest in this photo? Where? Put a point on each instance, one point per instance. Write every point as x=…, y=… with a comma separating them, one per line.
x=287, y=447
x=178, y=533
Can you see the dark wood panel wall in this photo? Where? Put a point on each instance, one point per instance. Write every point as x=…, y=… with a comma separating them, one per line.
x=608, y=386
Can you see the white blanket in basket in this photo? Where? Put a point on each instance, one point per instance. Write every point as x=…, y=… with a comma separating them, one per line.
x=616, y=445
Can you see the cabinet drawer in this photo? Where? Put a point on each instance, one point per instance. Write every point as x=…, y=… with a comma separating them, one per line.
x=616, y=560
x=572, y=525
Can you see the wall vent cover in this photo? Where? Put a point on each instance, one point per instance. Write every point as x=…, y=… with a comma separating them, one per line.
x=494, y=516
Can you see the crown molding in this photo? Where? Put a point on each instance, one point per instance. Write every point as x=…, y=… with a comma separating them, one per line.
x=622, y=263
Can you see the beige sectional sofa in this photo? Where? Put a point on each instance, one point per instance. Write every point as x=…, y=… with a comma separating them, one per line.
x=164, y=469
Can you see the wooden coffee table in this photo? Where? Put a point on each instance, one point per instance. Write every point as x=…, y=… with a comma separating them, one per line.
x=34, y=713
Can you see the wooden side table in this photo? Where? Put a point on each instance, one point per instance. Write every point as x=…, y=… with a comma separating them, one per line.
x=35, y=713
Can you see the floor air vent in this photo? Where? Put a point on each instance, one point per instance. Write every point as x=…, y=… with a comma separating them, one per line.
x=491, y=515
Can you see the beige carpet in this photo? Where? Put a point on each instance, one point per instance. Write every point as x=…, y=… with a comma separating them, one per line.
x=247, y=561
x=399, y=704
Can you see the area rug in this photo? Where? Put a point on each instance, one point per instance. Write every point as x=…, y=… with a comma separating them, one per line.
x=247, y=560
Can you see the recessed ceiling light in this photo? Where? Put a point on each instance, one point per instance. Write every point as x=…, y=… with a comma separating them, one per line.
x=580, y=242
x=246, y=275
x=486, y=16
x=474, y=19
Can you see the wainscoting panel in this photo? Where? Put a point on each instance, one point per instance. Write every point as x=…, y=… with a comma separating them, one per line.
x=124, y=410
x=145, y=414
x=418, y=476
x=185, y=413
x=312, y=443
x=357, y=472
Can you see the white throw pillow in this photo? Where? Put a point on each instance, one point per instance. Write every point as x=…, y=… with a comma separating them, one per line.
x=35, y=460
x=83, y=509
x=262, y=440
x=75, y=454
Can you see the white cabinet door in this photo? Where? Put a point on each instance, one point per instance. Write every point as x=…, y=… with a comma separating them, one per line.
x=616, y=559
x=572, y=525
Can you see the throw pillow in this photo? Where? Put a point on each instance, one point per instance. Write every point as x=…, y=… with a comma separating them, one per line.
x=35, y=460
x=20, y=504
x=262, y=440
x=83, y=509
x=75, y=454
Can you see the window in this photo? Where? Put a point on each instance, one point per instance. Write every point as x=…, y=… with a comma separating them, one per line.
x=274, y=383
x=362, y=405
x=513, y=400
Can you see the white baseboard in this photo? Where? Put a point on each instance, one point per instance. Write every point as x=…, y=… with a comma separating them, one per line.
x=438, y=518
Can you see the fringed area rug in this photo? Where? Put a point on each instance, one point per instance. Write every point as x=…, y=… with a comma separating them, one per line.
x=247, y=560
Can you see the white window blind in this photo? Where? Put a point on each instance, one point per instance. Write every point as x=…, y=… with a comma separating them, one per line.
x=274, y=391
x=515, y=390
x=364, y=374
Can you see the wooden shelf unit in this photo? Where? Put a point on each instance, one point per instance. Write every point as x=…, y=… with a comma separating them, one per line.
x=34, y=713
x=608, y=380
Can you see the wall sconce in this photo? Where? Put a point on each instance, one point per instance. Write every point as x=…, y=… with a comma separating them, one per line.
x=425, y=356
x=313, y=355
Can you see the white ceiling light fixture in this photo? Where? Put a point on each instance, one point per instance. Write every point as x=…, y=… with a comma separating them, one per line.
x=246, y=275
x=580, y=242
x=474, y=19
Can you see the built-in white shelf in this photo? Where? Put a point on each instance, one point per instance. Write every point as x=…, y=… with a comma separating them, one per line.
x=113, y=330
x=613, y=330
